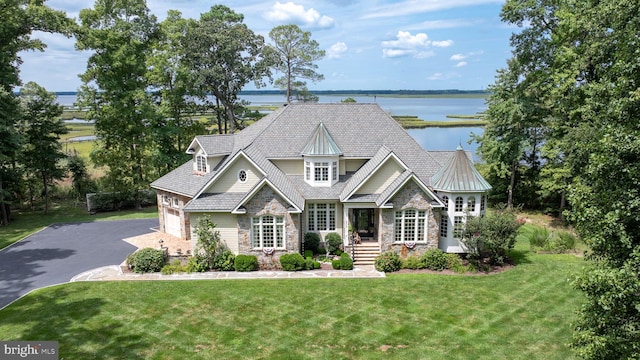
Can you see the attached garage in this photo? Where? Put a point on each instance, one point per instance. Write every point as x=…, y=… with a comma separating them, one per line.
x=172, y=222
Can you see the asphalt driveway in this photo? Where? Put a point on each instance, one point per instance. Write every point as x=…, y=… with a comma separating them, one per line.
x=61, y=251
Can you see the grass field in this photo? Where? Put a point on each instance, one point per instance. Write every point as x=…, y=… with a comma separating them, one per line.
x=523, y=313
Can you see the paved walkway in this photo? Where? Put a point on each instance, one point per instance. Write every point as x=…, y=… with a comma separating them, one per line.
x=113, y=273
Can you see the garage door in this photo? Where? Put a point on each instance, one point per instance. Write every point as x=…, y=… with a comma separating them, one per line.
x=172, y=222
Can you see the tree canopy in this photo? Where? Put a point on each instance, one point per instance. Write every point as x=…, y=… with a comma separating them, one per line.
x=295, y=54
x=576, y=71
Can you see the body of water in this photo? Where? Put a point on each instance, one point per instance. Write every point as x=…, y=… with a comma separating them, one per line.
x=424, y=108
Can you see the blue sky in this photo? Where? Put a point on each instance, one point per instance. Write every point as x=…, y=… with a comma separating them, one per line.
x=370, y=44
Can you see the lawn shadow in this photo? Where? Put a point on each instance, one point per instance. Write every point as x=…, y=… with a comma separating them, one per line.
x=51, y=316
x=520, y=257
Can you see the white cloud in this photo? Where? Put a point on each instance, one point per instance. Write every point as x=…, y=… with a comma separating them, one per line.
x=435, y=76
x=461, y=64
x=336, y=50
x=292, y=13
x=457, y=57
x=440, y=76
x=443, y=24
x=411, y=45
x=445, y=43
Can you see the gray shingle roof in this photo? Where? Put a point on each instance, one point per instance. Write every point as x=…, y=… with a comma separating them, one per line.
x=214, y=202
x=357, y=131
x=459, y=174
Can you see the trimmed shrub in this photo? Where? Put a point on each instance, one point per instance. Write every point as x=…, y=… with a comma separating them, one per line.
x=333, y=241
x=388, y=262
x=344, y=263
x=312, y=242
x=224, y=261
x=434, y=259
x=245, y=263
x=309, y=264
x=308, y=254
x=293, y=262
x=491, y=236
x=146, y=260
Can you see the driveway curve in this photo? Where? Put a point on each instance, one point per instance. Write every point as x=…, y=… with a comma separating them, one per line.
x=61, y=251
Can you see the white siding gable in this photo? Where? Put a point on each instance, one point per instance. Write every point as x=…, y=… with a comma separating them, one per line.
x=229, y=181
x=382, y=178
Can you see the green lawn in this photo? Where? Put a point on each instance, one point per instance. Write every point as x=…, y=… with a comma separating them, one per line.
x=25, y=223
x=523, y=313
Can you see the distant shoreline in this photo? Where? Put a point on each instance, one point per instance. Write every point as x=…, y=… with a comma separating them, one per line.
x=381, y=93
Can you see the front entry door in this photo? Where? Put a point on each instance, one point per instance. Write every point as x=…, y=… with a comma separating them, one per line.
x=363, y=220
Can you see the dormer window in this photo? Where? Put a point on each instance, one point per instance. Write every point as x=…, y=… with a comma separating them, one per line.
x=321, y=171
x=201, y=163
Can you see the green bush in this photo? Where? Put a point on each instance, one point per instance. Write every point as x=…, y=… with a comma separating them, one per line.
x=224, y=261
x=344, y=263
x=563, y=242
x=388, y=262
x=412, y=262
x=308, y=254
x=454, y=263
x=197, y=263
x=175, y=267
x=312, y=242
x=434, y=259
x=309, y=263
x=491, y=236
x=245, y=263
x=333, y=241
x=146, y=260
x=292, y=262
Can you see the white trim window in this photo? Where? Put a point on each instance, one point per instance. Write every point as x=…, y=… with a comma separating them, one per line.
x=458, y=226
x=321, y=217
x=201, y=163
x=459, y=204
x=334, y=171
x=410, y=225
x=267, y=232
x=242, y=175
x=471, y=203
x=444, y=226
x=482, y=202
x=445, y=200
x=321, y=172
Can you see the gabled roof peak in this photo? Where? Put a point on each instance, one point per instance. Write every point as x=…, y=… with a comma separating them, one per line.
x=321, y=143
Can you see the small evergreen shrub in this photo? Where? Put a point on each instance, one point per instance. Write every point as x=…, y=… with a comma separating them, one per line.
x=224, y=261
x=308, y=254
x=333, y=241
x=292, y=262
x=245, y=263
x=346, y=263
x=388, y=262
x=434, y=259
x=309, y=264
x=412, y=262
x=197, y=263
x=146, y=260
x=312, y=242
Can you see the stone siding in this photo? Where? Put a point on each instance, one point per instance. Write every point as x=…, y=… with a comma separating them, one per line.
x=410, y=196
x=267, y=202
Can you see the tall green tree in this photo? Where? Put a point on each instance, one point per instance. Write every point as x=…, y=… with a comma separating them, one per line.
x=296, y=54
x=41, y=129
x=20, y=18
x=224, y=56
x=174, y=94
x=588, y=53
x=121, y=35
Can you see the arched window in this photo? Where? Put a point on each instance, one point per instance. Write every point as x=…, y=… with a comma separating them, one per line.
x=459, y=203
x=471, y=203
